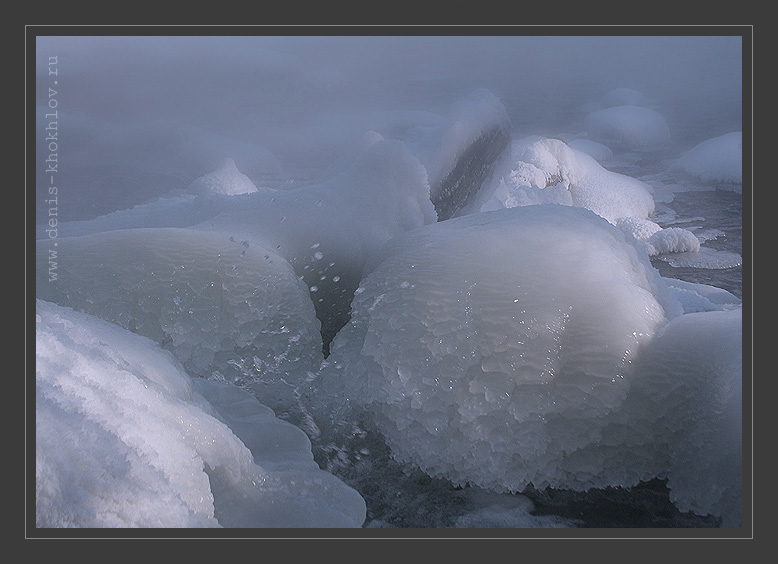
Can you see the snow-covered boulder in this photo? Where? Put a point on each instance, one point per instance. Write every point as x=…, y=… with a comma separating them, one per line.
x=124, y=438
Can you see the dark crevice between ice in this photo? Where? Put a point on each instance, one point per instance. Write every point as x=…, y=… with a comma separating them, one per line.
x=453, y=193
x=458, y=189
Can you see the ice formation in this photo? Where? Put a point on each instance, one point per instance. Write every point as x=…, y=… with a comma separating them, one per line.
x=715, y=160
x=488, y=347
x=124, y=439
x=688, y=399
x=224, y=307
x=227, y=179
x=325, y=231
x=549, y=171
x=629, y=126
x=540, y=170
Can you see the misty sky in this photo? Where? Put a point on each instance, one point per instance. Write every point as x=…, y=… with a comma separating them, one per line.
x=175, y=106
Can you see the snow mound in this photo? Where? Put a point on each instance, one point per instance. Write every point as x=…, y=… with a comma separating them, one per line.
x=690, y=397
x=623, y=97
x=488, y=347
x=124, y=440
x=716, y=160
x=227, y=179
x=629, y=126
x=538, y=164
x=672, y=240
x=224, y=307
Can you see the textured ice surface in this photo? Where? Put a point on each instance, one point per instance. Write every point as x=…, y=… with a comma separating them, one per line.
x=488, y=347
x=224, y=307
x=628, y=126
x=689, y=397
x=124, y=439
x=227, y=179
x=716, y=160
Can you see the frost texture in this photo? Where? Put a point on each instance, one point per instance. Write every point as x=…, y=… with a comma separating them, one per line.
x=225, y=180
x=490, y=346
x=629, y=126
x=224, y=307
x=124, y=440
x=716, y=160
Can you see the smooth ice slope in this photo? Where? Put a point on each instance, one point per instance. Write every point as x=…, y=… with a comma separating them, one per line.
x=689, y=398
x=629, y=126
x=124, y=440
x=223, y=306
x=716, y=160
x=227, y=179
x=489, y=346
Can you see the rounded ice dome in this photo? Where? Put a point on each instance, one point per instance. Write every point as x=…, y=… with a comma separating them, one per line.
x=719, y=159
x=490, y=346
x=623, y=97
x=633, y=127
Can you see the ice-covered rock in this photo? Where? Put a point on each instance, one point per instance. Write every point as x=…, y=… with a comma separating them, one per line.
x=629, y=126
x=224, y=307
x=715, y=160
x=227, y=179
x=490, y=346
x=124, y=439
